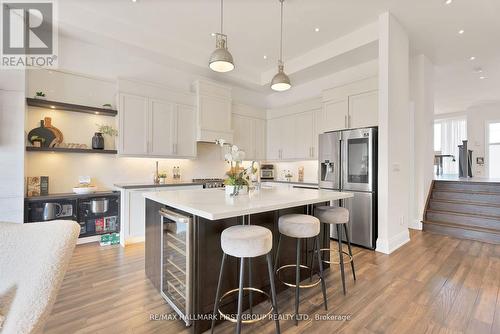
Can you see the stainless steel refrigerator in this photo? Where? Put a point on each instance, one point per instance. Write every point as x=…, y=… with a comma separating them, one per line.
x=348, y=162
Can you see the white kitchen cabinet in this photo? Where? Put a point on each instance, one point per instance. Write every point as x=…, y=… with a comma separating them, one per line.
x=336, y=113
x=163, y=127
x=250, y=136
x=304, y=134
x=260, y=139
x=281, y=133
x=214, y=119
x=243, y=134
x=133, y=213
x=156, y=128
x=363, y=109
x=274, y=139
x=186, y=131
x=133, y=124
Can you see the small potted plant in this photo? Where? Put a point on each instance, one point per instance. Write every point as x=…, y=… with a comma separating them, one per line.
x=110, y=135
x=107, y=106
x=162, y=177
x=37, y=141
x=40, y=95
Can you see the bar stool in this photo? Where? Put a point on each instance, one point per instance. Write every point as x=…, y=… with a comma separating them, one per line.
x=300, y=227
x=339, y=217
x=245, y=242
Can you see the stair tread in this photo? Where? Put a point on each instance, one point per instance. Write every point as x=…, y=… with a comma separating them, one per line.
x=465, y=202
x=465, y=214
x=465, y=227
x=444, y=190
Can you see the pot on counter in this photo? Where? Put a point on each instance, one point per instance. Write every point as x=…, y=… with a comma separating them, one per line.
x=99, y=205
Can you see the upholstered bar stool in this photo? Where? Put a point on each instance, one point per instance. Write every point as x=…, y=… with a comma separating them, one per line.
x=300, y=227
x=245, y=242
x=339, y=217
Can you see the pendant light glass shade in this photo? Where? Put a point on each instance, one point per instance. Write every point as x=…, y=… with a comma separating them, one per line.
x=221, y=59
x=281, y=81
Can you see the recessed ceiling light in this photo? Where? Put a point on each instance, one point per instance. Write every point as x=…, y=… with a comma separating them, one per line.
x=265, y=57
x=316, y=29
x=482, y=77
x=134, y=0
x=448, y=2
x=461, y=31
x=212, y=34
x=472, y=58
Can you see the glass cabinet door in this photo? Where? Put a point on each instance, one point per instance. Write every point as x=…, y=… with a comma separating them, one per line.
x=176, y=262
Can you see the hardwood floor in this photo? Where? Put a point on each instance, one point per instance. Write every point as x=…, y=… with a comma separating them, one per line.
x=433, y=284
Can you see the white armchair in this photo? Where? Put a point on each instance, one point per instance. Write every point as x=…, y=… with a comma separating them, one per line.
x=33, y=261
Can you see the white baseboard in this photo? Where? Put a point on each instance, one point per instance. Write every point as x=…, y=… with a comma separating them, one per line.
x=387, y=246
x=134, y=240
x=416, y=225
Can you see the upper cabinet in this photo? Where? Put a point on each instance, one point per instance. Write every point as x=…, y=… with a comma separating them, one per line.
x=363, y=109
x=354, y=105
x=214, y=119
x=155, y=128
x=133, y=132
x=249, y=127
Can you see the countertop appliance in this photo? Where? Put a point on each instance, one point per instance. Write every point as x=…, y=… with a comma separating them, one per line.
x=175, y=257
x=348, y=162
x=96, y=213
x=210, y=182
x=267, y=172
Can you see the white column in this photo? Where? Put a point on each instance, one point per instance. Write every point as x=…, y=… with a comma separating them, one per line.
x=422, y=96
x=12, y=115
x=394, y=135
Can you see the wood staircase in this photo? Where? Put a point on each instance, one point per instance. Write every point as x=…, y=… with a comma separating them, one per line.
x=464, y=209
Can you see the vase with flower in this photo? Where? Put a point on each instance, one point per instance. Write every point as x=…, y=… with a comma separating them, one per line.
x=238, y=177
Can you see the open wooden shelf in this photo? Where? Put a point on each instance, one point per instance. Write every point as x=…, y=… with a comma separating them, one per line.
x=69, y=150
x=40, y=103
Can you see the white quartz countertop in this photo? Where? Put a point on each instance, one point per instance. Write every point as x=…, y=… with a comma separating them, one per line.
x=213, y=204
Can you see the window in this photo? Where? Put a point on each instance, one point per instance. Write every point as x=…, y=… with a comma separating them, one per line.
x=493, y=149
x=437, y=137
x=448, y=134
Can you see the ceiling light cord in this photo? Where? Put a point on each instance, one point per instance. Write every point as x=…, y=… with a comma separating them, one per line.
x=221, y=16
x=281, y=33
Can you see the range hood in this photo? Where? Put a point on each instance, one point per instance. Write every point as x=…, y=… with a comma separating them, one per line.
x=213, y=103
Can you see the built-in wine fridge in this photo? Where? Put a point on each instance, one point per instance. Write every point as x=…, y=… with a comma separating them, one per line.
x=176, y=262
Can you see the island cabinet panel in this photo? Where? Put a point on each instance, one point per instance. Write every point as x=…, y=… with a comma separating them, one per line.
x=206, y=256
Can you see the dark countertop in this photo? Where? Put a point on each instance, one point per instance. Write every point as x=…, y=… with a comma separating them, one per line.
x=293, y=182
x=72, y=196
x=154, y=185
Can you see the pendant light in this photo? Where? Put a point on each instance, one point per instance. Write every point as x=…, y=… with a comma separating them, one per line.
x=281, y=81
x=221, y=60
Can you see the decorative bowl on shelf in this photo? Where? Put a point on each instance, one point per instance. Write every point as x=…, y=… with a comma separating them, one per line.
x=84, y=190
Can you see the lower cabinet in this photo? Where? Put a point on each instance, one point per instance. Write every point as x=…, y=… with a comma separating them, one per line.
x=133, y=211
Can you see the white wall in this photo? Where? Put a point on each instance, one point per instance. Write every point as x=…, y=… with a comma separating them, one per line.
x=422, y=96
x=12, y=114
x=63, y=169
x=477, y=116
x=394, y=135
x=310, y=170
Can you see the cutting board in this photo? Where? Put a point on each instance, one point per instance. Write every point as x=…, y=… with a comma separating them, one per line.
x=44, y=133
x=56, y=131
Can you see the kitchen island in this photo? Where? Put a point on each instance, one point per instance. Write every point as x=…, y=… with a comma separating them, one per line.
x=183, y=252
